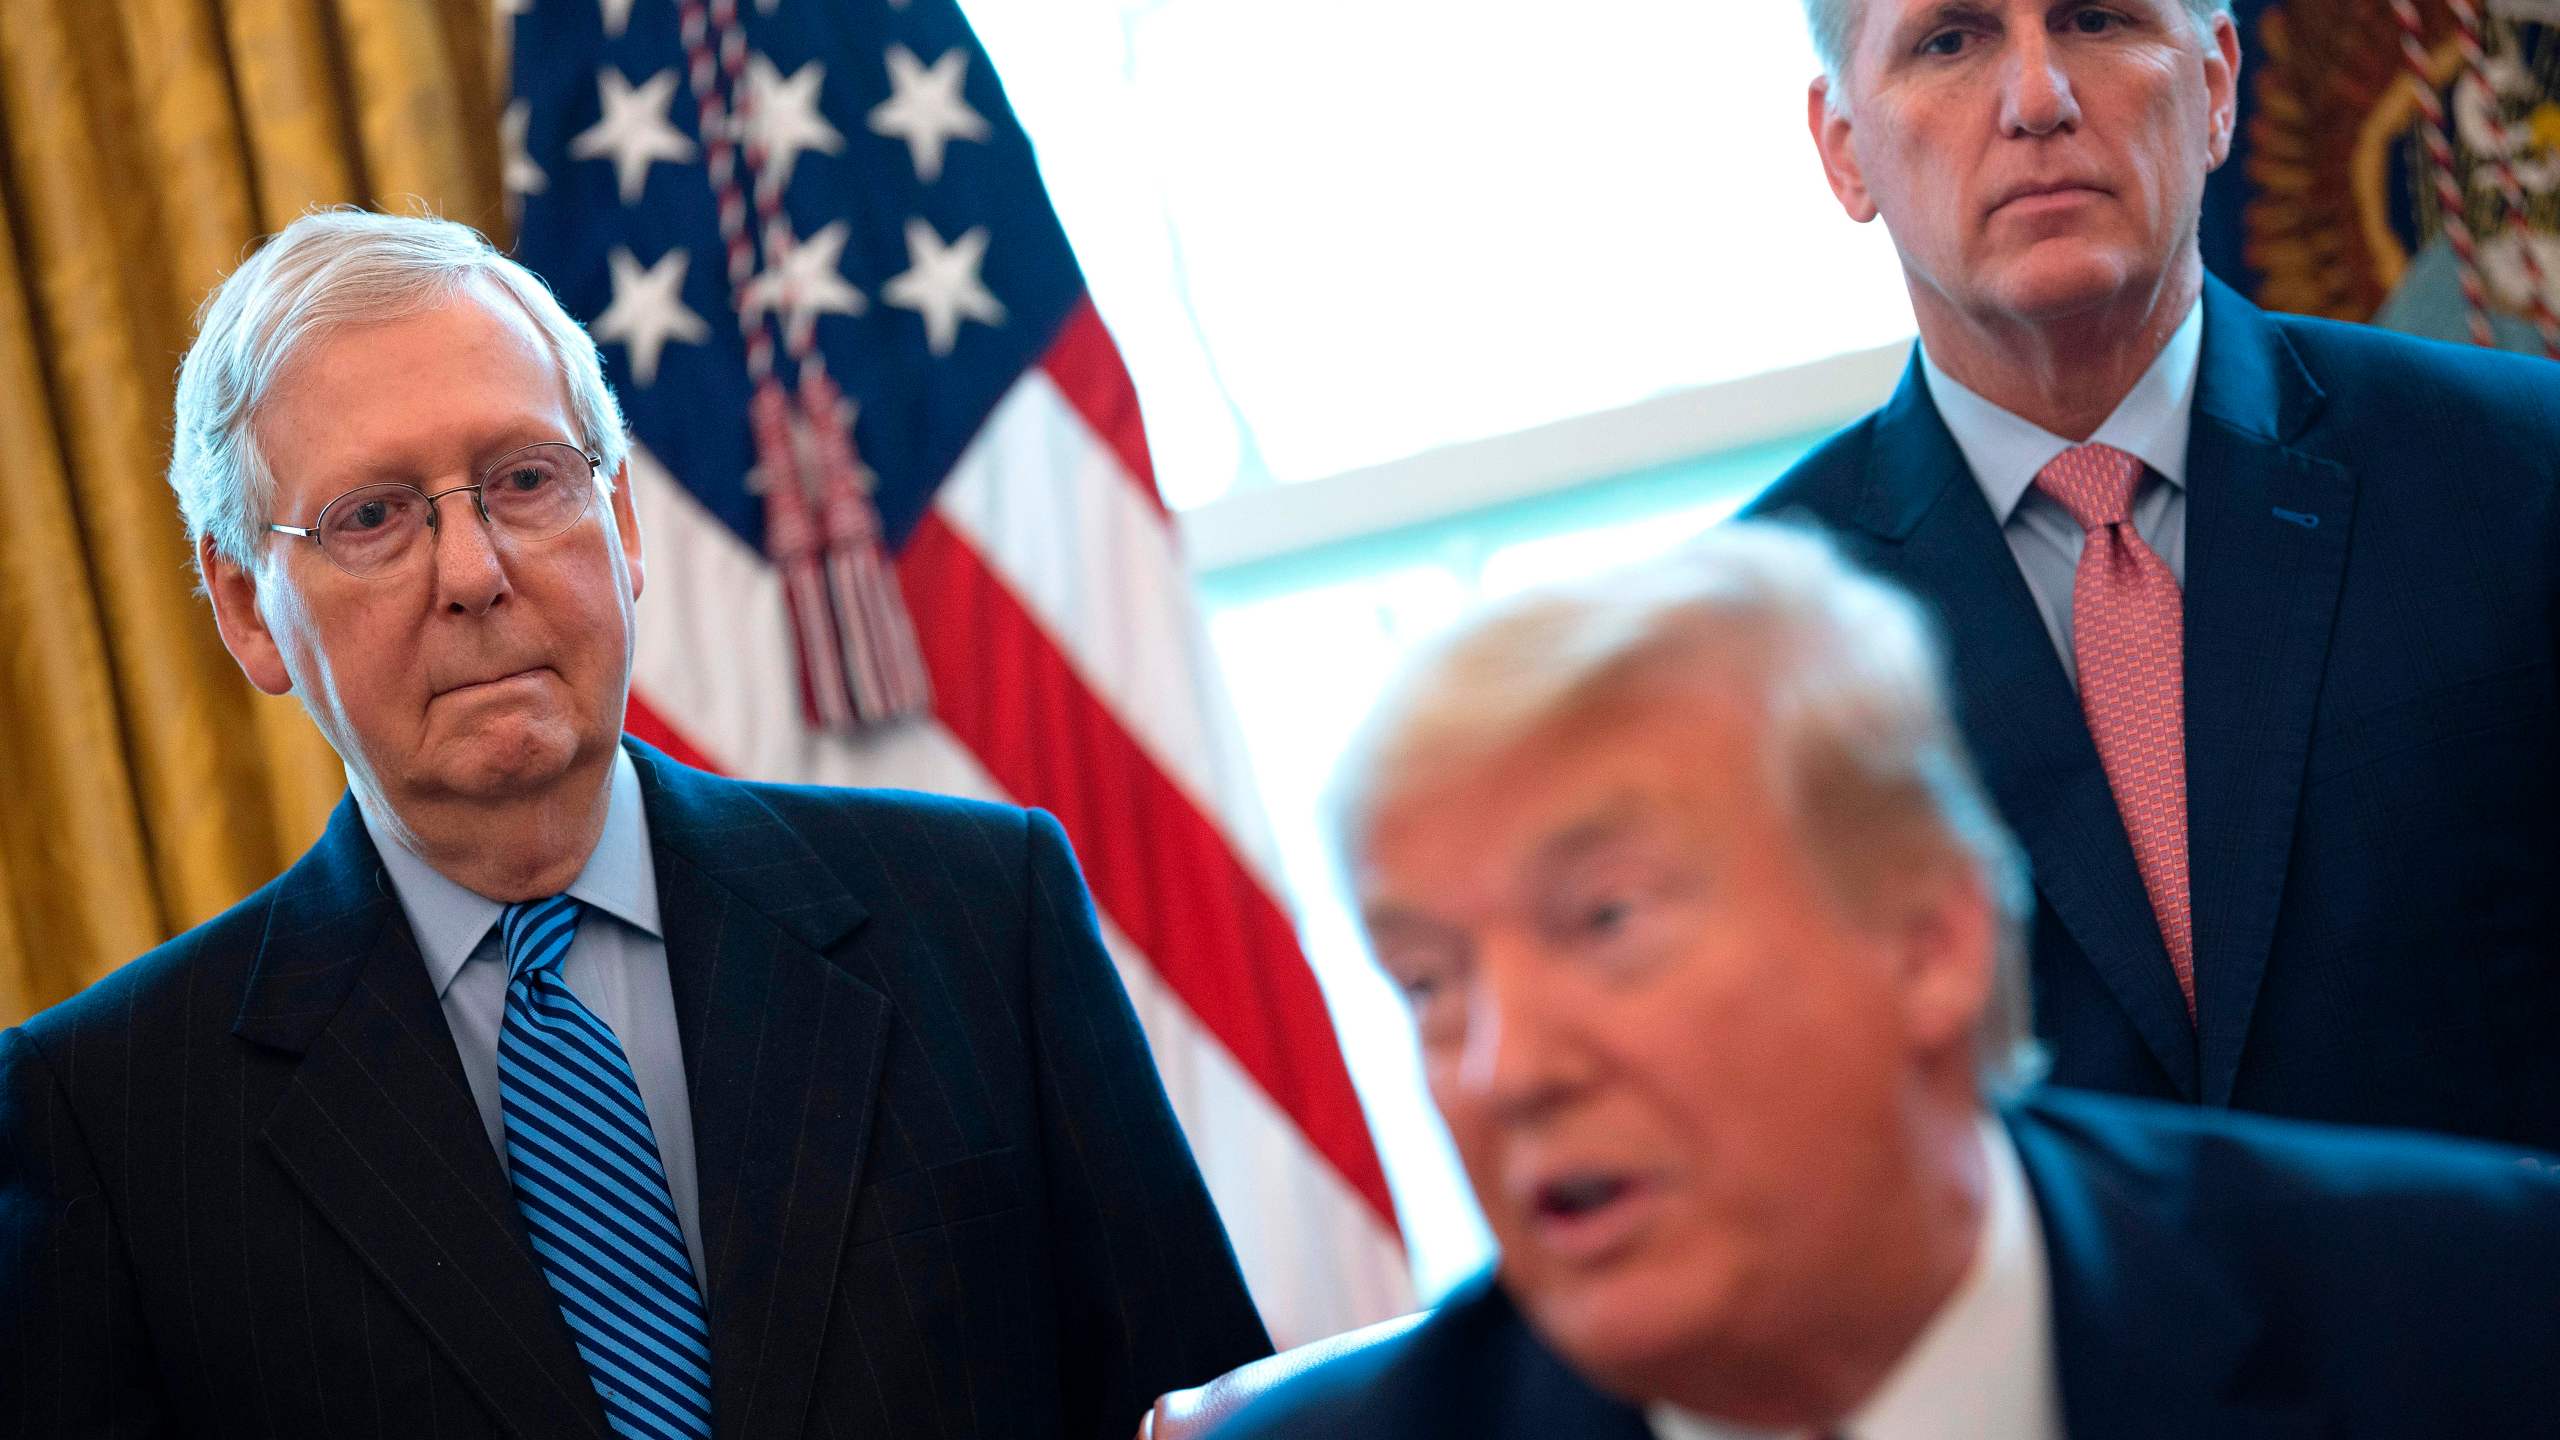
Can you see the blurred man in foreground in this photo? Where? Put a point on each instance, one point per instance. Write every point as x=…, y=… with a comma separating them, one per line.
x=1713, y=947
x=561, y=1089
x=2251, y=616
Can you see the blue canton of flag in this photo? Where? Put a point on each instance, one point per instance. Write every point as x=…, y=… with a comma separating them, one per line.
x=887, y=235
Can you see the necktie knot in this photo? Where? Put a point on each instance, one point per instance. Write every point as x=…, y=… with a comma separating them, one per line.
x=2093, y=482
x=536, y=934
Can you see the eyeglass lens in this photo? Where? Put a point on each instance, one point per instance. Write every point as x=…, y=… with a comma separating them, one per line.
x=533, y=494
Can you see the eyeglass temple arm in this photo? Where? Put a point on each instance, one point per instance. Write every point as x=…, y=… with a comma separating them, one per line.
x=479, y=499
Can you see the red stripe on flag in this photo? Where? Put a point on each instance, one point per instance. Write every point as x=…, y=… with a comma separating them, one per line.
x=1156, y=864
x=1085, y=366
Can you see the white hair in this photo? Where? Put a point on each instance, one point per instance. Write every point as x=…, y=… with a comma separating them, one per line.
x=1835, y=22
x=325, y=271
x=1842, y=667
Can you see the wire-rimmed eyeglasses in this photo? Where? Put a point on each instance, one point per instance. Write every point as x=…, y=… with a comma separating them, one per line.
x=530, y=494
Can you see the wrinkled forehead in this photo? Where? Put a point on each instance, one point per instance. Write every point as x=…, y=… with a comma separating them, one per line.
x=1866, y=24
x=412, y=391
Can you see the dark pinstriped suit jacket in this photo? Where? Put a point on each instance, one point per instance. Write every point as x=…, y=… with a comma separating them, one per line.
x=244, y=1189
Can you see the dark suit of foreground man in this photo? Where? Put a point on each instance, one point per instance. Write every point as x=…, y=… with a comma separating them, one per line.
x=562, y=1090
x=1713, y=947
x=2358, y=540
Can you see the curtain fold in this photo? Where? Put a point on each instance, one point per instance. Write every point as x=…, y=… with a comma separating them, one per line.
x=144, y=147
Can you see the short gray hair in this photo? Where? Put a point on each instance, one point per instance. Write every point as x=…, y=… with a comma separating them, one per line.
x=1843, y=667
x=1834, y=22
x=327, y=270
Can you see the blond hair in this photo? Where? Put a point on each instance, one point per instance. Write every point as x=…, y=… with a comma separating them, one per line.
x=1841, y=667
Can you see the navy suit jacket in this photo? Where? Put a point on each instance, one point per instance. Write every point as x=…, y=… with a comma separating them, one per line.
x=244, y=1189
x=2212, y=1276
x=2372, y=738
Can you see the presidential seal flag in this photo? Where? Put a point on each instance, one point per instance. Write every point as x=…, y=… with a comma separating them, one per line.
x=902, y=528
x=2398, y=162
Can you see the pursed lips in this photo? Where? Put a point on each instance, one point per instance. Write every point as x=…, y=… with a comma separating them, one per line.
x=491, y=678
x=2037, y=188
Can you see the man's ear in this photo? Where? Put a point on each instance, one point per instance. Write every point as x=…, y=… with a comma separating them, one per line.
x=1832, y=138
x=242, y=624
x=2222, y=86
x=1947, y=932
x=626, y=528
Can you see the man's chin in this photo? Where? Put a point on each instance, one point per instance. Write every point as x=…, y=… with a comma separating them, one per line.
x=2063, y=279
x=1636, y=1335
x=506, y=761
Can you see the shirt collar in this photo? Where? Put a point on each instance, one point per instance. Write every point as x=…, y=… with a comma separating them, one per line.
x=1984, y=1364
x=450, y=921
x=2150, y=423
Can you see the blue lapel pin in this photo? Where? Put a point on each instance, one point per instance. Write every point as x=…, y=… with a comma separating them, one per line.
x=2296, y=517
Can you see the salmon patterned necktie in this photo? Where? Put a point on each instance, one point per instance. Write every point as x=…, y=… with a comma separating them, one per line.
x=2126, y=619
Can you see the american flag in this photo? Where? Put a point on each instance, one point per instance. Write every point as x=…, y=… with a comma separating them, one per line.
x=902, y=528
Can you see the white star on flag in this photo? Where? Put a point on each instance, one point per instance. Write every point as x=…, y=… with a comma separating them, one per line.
x=941, y=284
x=648, y=310
x=523, y=177
x=617, y=16
x=925, y=108
x=785, y=116
x=634, y=131
x=806, y=281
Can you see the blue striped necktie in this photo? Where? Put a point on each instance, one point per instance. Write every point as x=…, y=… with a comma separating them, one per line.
x=586, y=1172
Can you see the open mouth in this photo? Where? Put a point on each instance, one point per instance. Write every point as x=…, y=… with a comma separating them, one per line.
x=1585, y=1215
x=1573, y=1198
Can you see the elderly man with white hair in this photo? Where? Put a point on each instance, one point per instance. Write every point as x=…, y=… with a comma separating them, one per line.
x=1713, y=944
x=2252, y=617
x=561, y=1089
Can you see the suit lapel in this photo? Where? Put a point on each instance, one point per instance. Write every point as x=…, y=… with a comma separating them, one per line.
x=2152, y=1334
x=783, y=1053
x=2267, y=529
x=2021, y=714
x=378, y=1129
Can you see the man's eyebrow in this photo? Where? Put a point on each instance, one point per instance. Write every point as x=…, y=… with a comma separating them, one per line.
x=1389, y=921
x=1605, y=824
x=1908, y=31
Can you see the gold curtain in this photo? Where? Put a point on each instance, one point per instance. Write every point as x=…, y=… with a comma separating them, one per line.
x=144, y=144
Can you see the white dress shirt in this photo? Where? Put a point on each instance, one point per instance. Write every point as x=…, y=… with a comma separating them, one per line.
x=2005, y=451
x=1983, y=1368
x=617, y=967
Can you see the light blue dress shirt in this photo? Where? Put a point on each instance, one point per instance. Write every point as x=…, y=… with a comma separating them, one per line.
x=2005, y=451
x=617, y=966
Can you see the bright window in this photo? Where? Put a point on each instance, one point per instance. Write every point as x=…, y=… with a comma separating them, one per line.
x=1332, y=233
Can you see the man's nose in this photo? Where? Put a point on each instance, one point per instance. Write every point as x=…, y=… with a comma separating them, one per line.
x=2035, y=89
x=1520, y=1053
x=470, y=578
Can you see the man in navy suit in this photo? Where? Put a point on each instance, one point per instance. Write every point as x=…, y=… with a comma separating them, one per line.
x=2252, y=617
x=560, y=1089
x=1714, y=950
